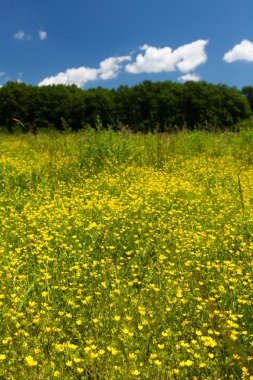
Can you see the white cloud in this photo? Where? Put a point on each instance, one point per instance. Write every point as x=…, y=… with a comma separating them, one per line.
x=190, y=77
x=78, y=76
x=1, y=73
x=156, y=60
x=153, y=60
x=21, y=35
x=108, y=69
x=42, y=34
x=240, y=52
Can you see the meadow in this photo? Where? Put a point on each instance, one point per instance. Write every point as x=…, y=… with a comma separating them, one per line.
x=126, y=256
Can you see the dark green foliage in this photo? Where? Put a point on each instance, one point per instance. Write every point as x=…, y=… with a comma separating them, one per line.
x=248, y=93
x=147, y=107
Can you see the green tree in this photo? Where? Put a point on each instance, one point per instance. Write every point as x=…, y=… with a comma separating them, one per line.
x=248, y=93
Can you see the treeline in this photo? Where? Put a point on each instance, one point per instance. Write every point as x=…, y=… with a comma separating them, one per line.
x=149, y=106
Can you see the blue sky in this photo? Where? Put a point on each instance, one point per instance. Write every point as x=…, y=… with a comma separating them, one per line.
x=116, y=42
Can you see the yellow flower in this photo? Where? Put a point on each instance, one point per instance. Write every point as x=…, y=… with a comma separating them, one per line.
x=186, y=363
x=233, y=336
x=208, y=341
x=245, y=371
x=114, y=351
x=30, y=361
x=7, y=340
x=93, y=355
x=2, y=357
x=77, y=360
x=71, y=346
x=59, y=347
x=162, y=258
x=135, y=372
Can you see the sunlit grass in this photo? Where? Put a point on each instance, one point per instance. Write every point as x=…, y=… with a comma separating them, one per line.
x=126, y=256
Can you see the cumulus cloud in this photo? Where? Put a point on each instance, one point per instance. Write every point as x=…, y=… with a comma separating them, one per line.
x=22, y=36
x=240, y=52
x=152, y=60
x=190, y=77
x=156, y=60
x=42, y=34
x=108, y=69
x=78, y=76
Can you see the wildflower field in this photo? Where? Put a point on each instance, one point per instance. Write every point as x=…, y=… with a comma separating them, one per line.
x=126, y=256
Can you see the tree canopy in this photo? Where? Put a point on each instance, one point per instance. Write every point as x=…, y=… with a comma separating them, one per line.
x=165, y=106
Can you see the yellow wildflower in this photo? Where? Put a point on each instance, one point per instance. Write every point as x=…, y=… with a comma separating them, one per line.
x=30, y=361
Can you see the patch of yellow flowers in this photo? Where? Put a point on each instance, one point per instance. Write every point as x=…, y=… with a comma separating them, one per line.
x=130, y=271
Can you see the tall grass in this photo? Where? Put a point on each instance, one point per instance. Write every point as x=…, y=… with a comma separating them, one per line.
x=126, y=256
